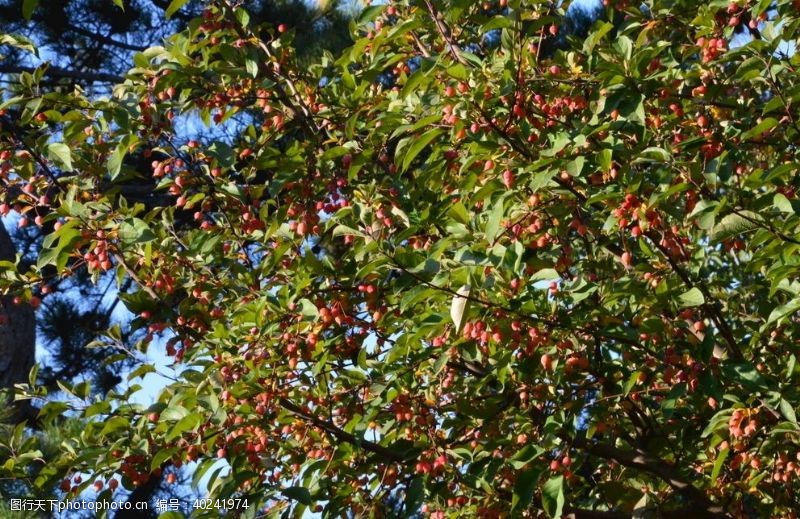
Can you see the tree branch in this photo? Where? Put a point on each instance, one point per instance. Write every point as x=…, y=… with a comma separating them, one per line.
x=383, y=452
x=444, y=30
x=639, y=459
x=710, y=309
x=105, y=39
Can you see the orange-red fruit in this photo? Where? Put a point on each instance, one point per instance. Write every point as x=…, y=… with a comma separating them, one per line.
x=699, y=326
x=508, y=178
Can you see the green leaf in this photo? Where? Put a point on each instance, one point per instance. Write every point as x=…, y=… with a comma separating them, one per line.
x=717, y=423
x=458, y=71
x=734, y=225
x=524, y=487
x=625, y=47
x=545, y=275
x=655, y=154
x=594, y=36
x=415, y=493
x=718, y=464
x=370, y=13
x=495, y=218
x=162, y=456
x=59, y=153
x=746, y=375
x=784, y=311
x=187, y=423
x=575, y=167
x=173, y=412
x=173, y=7
x=693, y=297
x=787, y=410
x=28, y=6
x=116, y=157
x=540, y=180
x=251, y=66
x=114, y=424
x=418, y=146
x=459, y=213
x=67, y=236
x=498, y=22
x=114, y=162
x=632, y=380
x=604, y=159
x=242, y=16
x=413, y=81
x=782, y=204
x=460, y=306
x=135, y=231
x=671, y=400
x=21, y=42
x=553, y=496
x=525, y=455
x=299, y=494
x=309, y=309
x=763, y=126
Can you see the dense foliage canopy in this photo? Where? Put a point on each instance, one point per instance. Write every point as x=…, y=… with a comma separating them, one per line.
x=466, y=267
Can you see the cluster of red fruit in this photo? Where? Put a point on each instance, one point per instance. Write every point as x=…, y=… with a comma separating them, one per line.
x=430, y=465
x=711, y=48
x=98, y=257
x=72, y=485
x=743, y=423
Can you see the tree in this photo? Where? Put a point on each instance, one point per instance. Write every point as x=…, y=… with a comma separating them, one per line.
x=476, y=278
x=17, y=327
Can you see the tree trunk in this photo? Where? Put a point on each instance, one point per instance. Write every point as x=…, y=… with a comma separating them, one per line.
x=17, y=332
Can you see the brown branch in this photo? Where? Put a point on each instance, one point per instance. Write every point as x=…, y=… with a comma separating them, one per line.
x=149, y=291
x=639, y=459
x=766, y=226
x=384, y=452
x=105, y=39
x=709, y=309
x=445, y=32
x=420, y=46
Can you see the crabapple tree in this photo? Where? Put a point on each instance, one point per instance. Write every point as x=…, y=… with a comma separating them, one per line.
x=453, y=274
